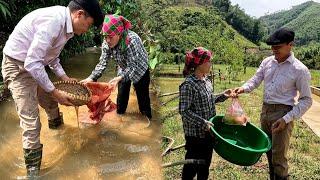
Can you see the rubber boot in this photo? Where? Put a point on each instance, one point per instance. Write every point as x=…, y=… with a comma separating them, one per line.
x=32, y=159
x=56, y=123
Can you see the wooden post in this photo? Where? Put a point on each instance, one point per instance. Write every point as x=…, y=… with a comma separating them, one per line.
x=212, y=70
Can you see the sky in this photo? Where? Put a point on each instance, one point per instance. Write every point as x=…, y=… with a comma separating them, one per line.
x=257, y=8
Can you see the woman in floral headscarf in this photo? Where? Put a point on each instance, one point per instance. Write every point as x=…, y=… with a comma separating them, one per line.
x=126, y=48
x=196, y=107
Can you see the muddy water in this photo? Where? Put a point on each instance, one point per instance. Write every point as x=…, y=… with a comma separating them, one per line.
x=119, y=147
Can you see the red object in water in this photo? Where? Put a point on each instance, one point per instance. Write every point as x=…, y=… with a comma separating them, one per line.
x=100, y=102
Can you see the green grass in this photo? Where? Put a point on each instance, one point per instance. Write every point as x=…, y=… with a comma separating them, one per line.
x=304, y=159
x=178, y=68
x=315, y=77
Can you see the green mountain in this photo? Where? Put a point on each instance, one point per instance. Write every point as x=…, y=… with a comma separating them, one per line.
x=180, y=28
x=304, y=19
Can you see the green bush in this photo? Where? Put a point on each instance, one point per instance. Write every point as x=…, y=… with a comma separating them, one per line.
x=309, y=55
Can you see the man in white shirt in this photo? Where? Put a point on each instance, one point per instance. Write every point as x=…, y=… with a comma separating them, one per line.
x=36, y=42
x=283, y=77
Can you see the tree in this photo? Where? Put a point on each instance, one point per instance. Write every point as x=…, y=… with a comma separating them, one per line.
x=249, y=27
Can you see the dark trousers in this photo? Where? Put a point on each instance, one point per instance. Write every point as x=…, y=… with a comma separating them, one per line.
x=201, y=149
x=142, y=91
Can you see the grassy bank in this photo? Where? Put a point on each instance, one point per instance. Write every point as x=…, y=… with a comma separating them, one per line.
x=304, y=148
x=178, y=68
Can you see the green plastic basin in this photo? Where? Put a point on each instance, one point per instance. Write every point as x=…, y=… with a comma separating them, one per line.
x=241, y=145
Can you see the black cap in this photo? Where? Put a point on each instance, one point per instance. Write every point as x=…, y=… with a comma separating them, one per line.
x=282, y=35
x=93, y=8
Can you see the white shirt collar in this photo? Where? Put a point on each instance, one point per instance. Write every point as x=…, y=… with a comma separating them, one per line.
x=290, y=59
x=69, y=22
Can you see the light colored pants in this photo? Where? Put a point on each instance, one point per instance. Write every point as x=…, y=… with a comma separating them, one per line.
x=27, y=95
x=277, y=156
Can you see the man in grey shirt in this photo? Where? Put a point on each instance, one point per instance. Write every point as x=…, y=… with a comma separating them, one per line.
x=283, y=77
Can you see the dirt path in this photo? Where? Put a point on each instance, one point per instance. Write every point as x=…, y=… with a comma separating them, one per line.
x=312, y=116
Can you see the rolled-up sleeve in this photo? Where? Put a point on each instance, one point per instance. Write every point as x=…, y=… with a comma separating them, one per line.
x=305, y=100
x=220, y=98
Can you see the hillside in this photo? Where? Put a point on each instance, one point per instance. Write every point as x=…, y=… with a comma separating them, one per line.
x=180, y=28
x=304, y=19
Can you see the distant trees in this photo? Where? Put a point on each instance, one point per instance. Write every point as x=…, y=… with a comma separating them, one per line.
x=304, y=19
x=276, y=20
x=180, y=28
x=247, y=26
x=309, y=55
